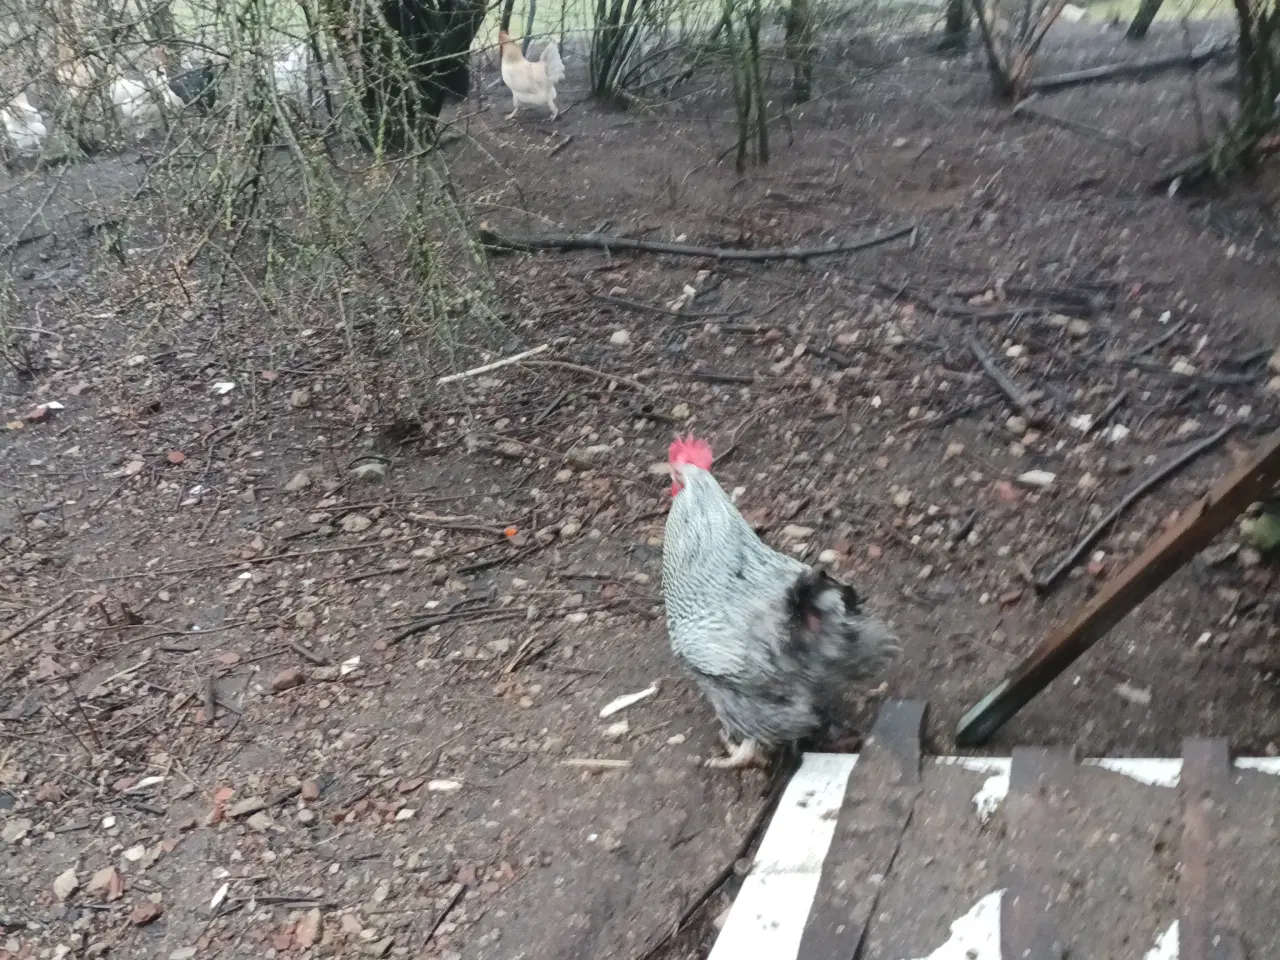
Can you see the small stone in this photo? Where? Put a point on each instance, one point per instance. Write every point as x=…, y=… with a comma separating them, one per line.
x=310, y=791
x=828, y=556
x=307, y=932
x=1219, y=553
x=1183, y=367
x=15, y=830
x=1137, y=695
x=1188, y=427
x=680, y=411
x=1273, y=385
x=183, y=953
x=246, y=806
x=569, y=529
x=65, y=884
x=259, y=822
x=1016, y=425
x=356, y=523
x=616, y=731
x=300, y=481
x=953, y=450
x=902, y=499
x=287, y=679
x=620, y=338
x=1248, y=557
x=300, y=399
x=795, y=532
x=1077, y=328
x=145, y=913
x=306, y=816
x=1037, y=478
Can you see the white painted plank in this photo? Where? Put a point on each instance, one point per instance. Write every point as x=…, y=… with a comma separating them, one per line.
x=768, y=918
x=976, y=935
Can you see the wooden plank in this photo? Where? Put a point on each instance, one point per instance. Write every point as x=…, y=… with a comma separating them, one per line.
x=878, y=801
x=1199, y=524
x=769, y=912
x=947, y=872
x=1032, y=924
x=1207, y=926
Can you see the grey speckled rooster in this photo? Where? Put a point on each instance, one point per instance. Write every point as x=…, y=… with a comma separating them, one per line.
x=768, y=639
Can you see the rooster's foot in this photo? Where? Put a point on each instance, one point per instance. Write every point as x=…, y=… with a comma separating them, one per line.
x=512, y=114
x=745, y=754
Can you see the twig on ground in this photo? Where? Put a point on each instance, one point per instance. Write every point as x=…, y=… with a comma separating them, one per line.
x=595, y=241
x=496, y=365
x=444, y=913
x=590, y=371
x=1134, y=68
x=253, y=561
x=453, y=613
x=309, y=655
x=210, y=700
x=1159, y=341
x=1108, y=412
x=36, y=618
x=782, y=777
x=1001, y=379
x=1075, y=126
x=560, y=146
x=1046, y=583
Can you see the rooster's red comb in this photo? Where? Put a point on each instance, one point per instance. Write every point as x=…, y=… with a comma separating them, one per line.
x=690, y=449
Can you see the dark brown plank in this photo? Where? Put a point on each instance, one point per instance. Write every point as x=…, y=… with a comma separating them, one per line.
x=1199, y=524
x=878, y=801
x=1207, y=925
x=1032, y=921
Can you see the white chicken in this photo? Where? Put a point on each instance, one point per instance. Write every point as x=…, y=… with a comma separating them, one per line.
x=768, y=639
x=531, y=82
x=143, y=103
x=23, y=124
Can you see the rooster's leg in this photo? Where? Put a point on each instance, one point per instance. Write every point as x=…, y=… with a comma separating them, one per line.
x=515, y=107
x=555, y=112
x=745, y=754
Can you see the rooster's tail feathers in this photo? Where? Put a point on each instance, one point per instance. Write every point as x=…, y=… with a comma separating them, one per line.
x=551, y=57
x=828, y=622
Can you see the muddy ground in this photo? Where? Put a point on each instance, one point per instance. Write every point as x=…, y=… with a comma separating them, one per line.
x=217, y=736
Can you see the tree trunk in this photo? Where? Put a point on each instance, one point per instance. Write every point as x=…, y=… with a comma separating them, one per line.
x=799, y=48
x=1142, y=20
x=956, y=30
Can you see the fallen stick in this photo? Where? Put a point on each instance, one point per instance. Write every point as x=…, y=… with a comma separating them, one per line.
x=596, y=241
x=1001, y=379
x=1075, y=126
x=1167, y=553
x=496, y=365
x=1108, y=411
x=1130, y=69
x=1159, y=341
x=1046, y=583
x=35, y=619
x=635, y=385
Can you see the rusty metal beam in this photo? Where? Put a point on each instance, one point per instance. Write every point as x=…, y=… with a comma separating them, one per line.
x=1250, y=482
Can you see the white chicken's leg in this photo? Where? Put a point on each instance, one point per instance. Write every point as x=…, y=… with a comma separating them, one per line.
x=745, y=754
x=555, y=111
x=515, y=107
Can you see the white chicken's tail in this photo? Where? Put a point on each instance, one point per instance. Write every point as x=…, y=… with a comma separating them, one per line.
x=551, y=57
